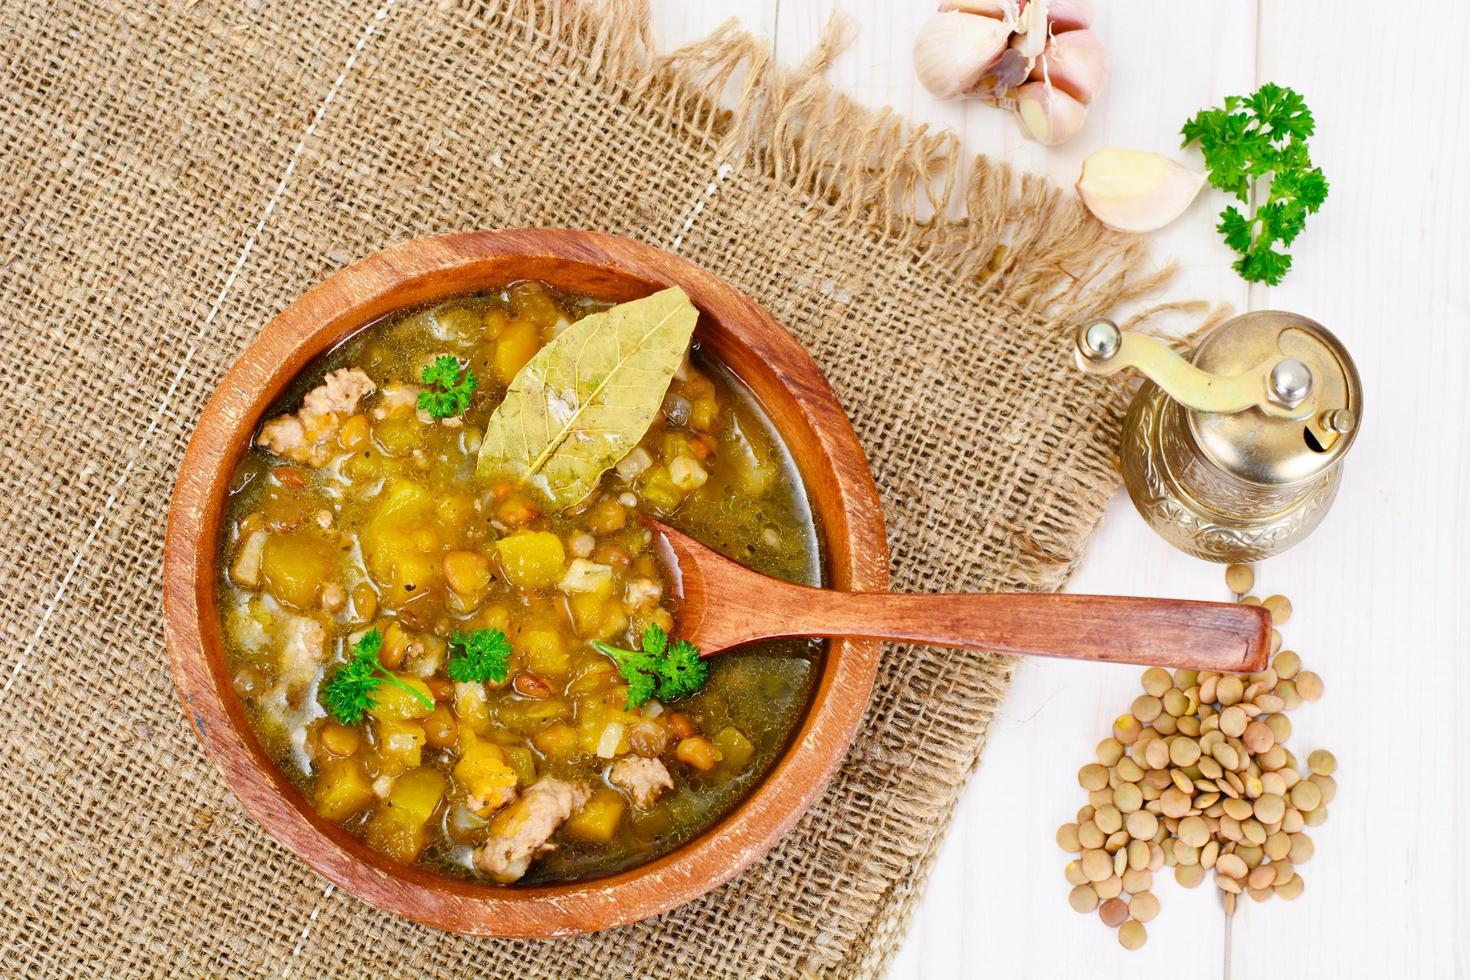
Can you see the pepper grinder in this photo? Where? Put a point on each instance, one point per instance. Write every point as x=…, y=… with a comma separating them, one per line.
x=1236, y=453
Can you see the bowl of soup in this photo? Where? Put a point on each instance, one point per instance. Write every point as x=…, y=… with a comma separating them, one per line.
x=406, y=668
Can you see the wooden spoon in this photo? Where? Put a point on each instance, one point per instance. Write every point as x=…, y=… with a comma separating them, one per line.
x=723, y=604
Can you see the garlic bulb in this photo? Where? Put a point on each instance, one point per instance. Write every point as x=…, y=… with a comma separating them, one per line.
x=1035, y=57
x=1131, y=190
x=954, y=50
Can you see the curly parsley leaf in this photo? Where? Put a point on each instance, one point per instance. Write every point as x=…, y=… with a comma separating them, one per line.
x=446, y=394
x=655, y=640
x=1252, y=137
x=681, y=672
x=349, y=692
x=668, y=669
x=641, y=687
x=477, y=657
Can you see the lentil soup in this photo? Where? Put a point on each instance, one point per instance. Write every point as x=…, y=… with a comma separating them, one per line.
x=356, y=524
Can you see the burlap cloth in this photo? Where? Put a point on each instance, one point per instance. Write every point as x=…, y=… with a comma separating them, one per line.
x=174, y=174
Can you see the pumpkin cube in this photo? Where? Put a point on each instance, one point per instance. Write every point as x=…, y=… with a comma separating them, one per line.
x=393, y=703
x=598, y=820
x=342, y=789
x=400, y=745
x=532, y=559
x=399, y=826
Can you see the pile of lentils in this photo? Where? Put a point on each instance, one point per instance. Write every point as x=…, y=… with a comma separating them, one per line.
x=1197, y=777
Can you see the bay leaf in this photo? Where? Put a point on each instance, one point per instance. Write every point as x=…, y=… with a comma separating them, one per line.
x=585, y=400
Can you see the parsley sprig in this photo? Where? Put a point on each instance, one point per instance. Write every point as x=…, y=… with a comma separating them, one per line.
x=446, y=394
x=477, y=657
x=670, y=669
x=349, y=693
x=1255, y=135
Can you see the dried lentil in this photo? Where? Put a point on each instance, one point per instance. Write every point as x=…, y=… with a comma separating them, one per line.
x=1197, y=777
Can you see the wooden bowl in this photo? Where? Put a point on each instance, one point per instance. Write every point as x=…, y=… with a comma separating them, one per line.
x=739, y=333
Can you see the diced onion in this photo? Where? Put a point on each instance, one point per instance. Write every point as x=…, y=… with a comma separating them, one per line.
x=686, y=473
x=607, y=745
x=463, y=823
x=631, y=466
x=652, y=709
x=585, y=576
x=246, y=572
x=643, y=592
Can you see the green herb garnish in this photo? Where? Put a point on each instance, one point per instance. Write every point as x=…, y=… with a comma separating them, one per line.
x=1256, y=135
x=446, y=394
x=477, y=657
x=668, y=669
x=350, y=691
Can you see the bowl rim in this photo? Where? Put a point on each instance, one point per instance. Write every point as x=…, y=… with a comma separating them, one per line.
x=804, y=409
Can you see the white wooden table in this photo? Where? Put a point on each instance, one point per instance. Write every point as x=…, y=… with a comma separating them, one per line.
x=1382, y=591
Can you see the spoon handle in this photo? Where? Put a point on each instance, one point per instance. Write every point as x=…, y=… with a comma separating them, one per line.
x=1113, y=629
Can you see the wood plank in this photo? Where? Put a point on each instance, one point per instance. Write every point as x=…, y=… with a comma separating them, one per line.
x=1381, y=589
x=677, y=22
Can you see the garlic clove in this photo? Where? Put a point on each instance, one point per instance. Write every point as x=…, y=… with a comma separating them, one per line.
x=1007, y=73
x=1069, y=15
x=1076, y=63
x=1137, y=191
x=954, y=50
x=1048, y=115
x=1031, y=29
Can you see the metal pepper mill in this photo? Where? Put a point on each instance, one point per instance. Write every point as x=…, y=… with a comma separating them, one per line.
x=1234, y=454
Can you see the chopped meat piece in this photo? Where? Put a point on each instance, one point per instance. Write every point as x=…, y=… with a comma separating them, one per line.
x=310, y=434
x=246, y=570
x=644, y=779
x=396, y=400
x=338, y=393
x=285, y=435
x=523, y=830
x=302, y=652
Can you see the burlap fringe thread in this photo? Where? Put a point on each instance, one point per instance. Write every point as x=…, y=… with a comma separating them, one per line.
x=1019, y=236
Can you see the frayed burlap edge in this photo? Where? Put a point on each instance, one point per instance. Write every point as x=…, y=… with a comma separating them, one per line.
x=1019, y=235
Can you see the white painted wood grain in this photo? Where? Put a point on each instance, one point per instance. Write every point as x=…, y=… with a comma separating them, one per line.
x=1382, y=591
